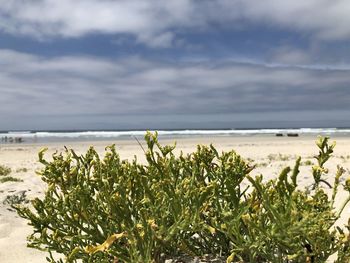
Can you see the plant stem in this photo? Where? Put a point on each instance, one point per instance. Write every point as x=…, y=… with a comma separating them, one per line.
x=343, y=207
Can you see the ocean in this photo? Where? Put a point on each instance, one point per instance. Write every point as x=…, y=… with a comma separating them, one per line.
x=66, y=136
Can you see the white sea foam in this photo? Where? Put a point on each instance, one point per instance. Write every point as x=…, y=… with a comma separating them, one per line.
x=39, y=136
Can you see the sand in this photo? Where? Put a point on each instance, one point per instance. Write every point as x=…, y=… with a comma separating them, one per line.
x=281, y=150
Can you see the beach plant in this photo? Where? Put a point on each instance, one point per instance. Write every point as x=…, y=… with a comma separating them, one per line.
x=5, y=179
x=22, y=170
x=307, y=163
x=280, y=157
x=16, y=199
x=4, y=170
x=205, y=202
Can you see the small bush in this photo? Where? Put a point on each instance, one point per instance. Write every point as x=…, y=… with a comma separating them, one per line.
x=4, y=170
x=9, y=179
x=109, y=210
x=280, y=157
x=16, y=199
x=307, y=163
x=22, y=170
x=262, y=164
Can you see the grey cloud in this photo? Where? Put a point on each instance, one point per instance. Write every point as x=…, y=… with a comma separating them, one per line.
x=153, y=22
x=86, y=86
x=290, y=56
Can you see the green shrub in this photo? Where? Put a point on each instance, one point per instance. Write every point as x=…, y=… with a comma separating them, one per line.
x=279, y=157
x=9, y=179
x=16, y=199
x=307, y=163
x=205, y=202
x=4, y=170
x=22, y=170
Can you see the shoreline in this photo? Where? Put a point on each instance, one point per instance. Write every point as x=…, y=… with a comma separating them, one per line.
x=34, y=137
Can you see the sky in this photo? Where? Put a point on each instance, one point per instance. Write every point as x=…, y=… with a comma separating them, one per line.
x=175, y=64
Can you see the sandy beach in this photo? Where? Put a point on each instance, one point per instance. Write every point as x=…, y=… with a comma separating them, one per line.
x=269, y=153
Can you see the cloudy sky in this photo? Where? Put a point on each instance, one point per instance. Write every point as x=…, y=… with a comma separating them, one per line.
x=145, y=64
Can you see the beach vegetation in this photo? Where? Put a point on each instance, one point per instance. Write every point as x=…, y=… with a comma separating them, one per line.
x=262, y=164
x=22, y=170
x=344, y=157
x=307, y=163
x=280, y=157
x=111, y=210
x=16, y=199
x=5, y=179
x=4, y=170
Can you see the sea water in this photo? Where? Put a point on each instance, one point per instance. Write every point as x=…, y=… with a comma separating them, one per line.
x=58, y=136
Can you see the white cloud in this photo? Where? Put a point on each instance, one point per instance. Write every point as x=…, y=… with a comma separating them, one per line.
x=147, y=20
x=153, y=21
x=322, y=18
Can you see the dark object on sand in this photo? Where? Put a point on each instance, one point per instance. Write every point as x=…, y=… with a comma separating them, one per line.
x=292, y=134
x=12, y=139
x=18, y=140
x=279, y=134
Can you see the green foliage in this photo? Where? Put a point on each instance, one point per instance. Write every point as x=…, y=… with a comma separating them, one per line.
x=307, y=163
x=16, y=199
x=22, y=170
x=109, y=210
x=279, y=157
x=4, y=170
x=9, y=179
